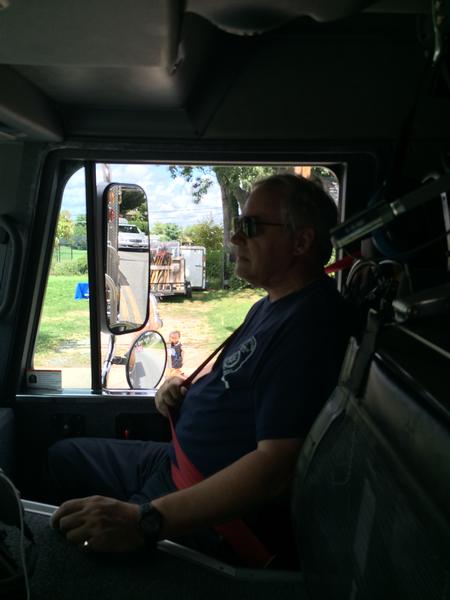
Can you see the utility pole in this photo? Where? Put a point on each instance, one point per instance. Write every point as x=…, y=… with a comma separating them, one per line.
x=106, y=173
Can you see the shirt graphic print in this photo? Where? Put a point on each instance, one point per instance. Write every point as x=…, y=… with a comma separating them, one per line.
x=233, y=363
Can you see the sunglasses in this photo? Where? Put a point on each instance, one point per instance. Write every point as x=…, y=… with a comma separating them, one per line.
x=248, y=226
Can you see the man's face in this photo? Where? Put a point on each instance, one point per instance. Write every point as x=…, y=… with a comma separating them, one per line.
x=264, y=259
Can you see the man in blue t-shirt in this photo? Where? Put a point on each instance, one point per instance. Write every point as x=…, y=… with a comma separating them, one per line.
x=242, y=424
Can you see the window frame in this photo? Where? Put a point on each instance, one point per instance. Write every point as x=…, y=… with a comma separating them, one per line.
x=55, y=176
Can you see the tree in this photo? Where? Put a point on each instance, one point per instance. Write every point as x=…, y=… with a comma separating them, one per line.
x=166, y=231
x=64, y=228
x=139, y=218
x=142, y=217
x=206, y=233
x=210, y=235
x=131, y=198
x=79, y=238
x=235, y=183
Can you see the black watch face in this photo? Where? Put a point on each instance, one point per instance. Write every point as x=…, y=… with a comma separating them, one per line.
x=150, y=522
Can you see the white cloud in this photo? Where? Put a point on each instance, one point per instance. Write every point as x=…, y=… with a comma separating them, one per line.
x=170, y=199
x=74, y=197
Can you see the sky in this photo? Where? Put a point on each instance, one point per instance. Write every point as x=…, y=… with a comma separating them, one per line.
x=170, y=200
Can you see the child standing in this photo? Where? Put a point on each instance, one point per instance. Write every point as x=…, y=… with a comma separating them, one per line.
x=176, y=354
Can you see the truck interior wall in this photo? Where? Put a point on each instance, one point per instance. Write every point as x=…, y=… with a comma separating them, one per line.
x=21, y=165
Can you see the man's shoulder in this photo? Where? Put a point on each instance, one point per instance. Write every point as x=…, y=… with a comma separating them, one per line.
x=321, y=305
x=310, y=298
x=258, y=305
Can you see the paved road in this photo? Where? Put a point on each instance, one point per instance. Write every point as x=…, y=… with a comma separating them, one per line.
x=134, y=269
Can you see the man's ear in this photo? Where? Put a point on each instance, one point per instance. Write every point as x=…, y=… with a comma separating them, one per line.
x=304, y=240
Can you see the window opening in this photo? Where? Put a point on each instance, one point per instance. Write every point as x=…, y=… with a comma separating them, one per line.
x=195, y=300
x=62, y=348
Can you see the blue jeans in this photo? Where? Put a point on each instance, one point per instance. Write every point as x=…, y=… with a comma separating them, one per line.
x=132, y=471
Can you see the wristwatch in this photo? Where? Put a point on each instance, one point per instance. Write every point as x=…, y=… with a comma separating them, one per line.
x=149, y=524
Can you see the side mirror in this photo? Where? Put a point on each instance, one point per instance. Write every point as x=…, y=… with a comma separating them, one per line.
x=127, y=257
x=147, y=361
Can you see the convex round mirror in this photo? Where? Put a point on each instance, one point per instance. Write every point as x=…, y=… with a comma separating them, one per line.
x=127, y=257
x=146, y=361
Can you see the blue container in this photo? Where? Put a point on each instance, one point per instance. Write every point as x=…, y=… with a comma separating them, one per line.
x=82, y=291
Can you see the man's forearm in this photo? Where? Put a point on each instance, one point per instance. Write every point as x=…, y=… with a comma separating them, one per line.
x=253, y=480
x=109, y=525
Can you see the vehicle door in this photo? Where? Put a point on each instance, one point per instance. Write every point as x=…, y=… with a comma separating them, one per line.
x=84, y=305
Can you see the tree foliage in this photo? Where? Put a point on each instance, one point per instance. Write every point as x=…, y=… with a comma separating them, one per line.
x=132, y=199
x=133, y=207
x=206, y=233
x=64, y=228
x=235, y=183
x=238, y=180
x=79, y=238
x=166, y=231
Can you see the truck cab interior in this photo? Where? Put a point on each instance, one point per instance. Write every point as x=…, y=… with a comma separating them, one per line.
x=362, y=87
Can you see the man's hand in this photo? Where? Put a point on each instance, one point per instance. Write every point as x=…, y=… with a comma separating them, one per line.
x=170, y=394
x=99, y=524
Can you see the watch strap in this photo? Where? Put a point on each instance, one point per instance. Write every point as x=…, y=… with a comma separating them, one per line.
x=149, y=524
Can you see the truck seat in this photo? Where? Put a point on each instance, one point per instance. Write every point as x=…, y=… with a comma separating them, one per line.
x=371, y=502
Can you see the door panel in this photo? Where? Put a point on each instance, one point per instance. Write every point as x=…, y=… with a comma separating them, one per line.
x=42, y=420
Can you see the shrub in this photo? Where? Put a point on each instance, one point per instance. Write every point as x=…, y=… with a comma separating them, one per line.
x=214, y=269
x=82, y=265
x=70, y=267
x=236, y=283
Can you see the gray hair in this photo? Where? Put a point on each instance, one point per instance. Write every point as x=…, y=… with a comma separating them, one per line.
x=305, y=203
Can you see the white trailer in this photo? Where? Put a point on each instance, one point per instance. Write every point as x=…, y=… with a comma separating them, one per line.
x=195, y=266
x=175, y=269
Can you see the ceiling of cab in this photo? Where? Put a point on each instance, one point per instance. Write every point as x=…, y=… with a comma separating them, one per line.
x=207, y=69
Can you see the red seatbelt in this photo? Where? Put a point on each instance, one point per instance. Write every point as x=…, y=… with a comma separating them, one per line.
x=343, y=263
x=187, y=382
x=244, y=542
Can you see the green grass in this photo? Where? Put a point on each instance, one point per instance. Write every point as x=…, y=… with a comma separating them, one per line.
x=64, y=320
x=224, y=310
x=227, y=309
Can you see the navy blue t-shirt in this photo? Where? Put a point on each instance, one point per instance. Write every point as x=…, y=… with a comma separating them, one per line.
x=271, y=381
